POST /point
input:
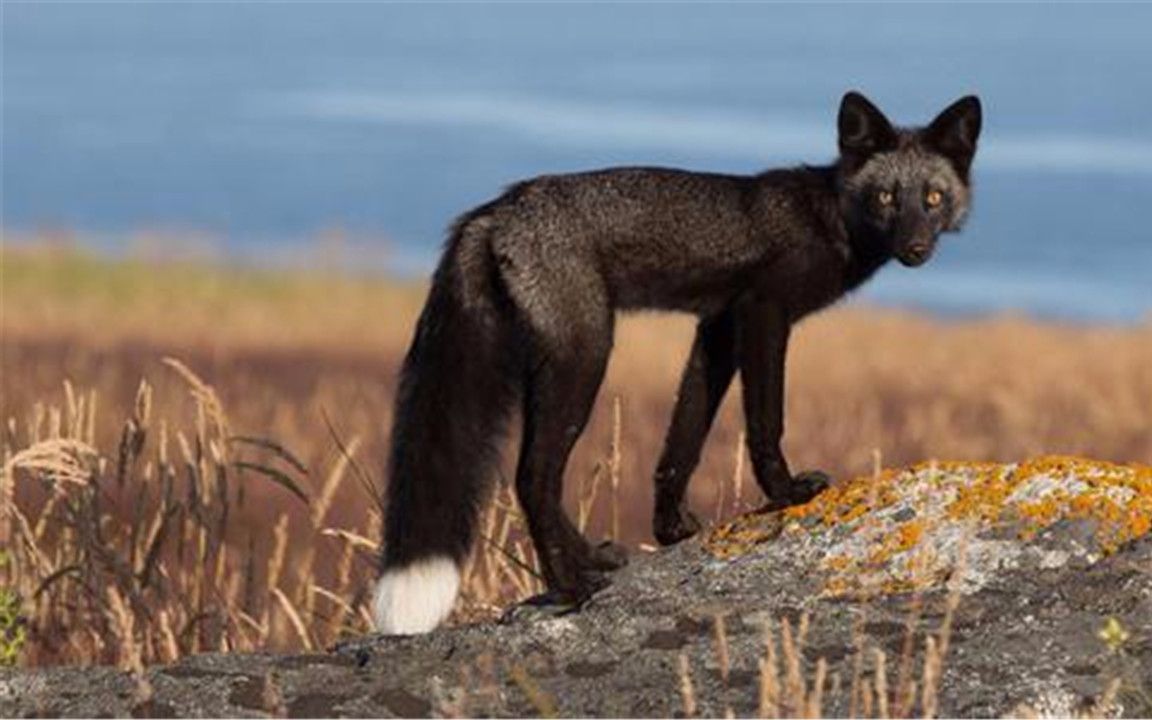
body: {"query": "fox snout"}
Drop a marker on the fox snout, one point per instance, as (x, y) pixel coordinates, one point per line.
(913, 243)
(913, 233)
(916, 253)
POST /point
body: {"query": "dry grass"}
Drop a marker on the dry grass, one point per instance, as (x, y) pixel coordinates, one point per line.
(166, 492)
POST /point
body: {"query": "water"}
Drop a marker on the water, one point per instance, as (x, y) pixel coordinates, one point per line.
(264, 125)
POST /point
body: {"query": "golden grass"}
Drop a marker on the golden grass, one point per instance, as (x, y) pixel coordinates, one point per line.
(167, 492)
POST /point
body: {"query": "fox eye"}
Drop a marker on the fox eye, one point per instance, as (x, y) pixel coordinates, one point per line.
(885, 197)
(933, 198)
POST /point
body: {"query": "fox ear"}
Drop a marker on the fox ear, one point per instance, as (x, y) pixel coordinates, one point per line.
(954, 132)
(863, 129)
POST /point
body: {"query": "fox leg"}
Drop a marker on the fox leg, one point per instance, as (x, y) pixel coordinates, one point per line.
(562, 383)
(707, 376)
(762, 342)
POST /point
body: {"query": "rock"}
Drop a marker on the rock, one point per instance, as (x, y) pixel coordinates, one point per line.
(1025, 563)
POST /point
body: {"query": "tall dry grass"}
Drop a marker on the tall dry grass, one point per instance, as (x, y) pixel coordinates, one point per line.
(165, 501)
(877, 686)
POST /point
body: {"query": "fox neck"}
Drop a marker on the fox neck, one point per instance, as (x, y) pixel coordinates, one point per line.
(869, 252)
(868, 249)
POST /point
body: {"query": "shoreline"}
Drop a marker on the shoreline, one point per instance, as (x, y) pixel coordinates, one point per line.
(338, 260)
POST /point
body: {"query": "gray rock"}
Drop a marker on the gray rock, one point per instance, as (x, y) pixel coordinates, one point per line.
(1024, 638)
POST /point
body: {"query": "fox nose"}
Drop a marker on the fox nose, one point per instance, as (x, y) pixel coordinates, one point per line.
(918, 251)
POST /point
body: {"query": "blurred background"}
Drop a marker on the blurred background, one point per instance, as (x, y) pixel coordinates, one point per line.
(218, 220)
(252, 129)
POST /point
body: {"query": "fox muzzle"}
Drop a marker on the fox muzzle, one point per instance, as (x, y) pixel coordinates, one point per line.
(915, 253)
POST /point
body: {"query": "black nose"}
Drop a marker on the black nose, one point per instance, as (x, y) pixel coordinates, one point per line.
(918, 251)
(915, 254)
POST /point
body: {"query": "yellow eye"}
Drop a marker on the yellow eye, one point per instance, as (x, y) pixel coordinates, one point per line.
(934, 198)
(885, 198)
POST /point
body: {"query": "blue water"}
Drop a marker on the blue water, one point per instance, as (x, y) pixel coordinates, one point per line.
(263, 125)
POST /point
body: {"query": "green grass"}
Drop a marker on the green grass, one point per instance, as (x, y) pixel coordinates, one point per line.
(73, 274)
(13, 633)
(72, 292)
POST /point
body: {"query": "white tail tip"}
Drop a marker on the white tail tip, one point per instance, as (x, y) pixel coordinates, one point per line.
(416, 598)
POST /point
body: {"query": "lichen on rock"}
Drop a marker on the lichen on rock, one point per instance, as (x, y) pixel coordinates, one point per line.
(903, 530)
(1053, 556)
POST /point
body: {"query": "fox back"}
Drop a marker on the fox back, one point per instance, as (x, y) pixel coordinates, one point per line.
(523, 306)
(672, 239)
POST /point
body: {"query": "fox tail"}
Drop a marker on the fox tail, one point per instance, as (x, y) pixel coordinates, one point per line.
(456, 388)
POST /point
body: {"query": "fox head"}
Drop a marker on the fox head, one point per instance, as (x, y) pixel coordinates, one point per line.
(906, 186)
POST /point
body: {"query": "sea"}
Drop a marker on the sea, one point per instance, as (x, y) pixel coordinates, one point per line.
(258, 128)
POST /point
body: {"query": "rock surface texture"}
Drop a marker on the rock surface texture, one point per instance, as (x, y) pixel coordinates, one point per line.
(960, 589)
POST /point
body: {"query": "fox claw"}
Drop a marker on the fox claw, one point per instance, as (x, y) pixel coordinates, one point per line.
(608, 556)
(671, 529)
(545, 605)
(555, 603)
(800, 490)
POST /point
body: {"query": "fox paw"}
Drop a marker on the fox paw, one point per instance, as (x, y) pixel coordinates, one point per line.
(555, 603)
(800, 490)
(608, 556)
(671, 528)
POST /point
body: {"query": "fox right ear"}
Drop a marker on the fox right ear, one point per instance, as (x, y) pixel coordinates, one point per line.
(863, 129)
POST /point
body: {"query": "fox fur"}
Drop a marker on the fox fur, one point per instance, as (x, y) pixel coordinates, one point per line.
(521, 313)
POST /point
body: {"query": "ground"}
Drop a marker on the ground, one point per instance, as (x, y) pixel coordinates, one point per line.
(976, 590)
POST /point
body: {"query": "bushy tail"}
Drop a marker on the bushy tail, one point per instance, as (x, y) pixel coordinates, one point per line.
(456, 387)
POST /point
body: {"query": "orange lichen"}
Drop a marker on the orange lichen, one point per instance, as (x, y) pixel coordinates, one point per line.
(908, 535)
(837, 562)
(742, 534)
(848, 501)
(1027, 497)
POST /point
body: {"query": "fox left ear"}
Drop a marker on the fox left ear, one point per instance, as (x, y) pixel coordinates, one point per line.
(954, 132)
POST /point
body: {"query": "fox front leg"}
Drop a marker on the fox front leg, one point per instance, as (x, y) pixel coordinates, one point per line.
(707, 375)
(762, 343)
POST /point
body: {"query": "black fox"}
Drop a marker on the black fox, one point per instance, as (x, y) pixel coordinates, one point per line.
(522, 309)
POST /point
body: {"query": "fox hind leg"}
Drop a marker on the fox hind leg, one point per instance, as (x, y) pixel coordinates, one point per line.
(561, 388)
